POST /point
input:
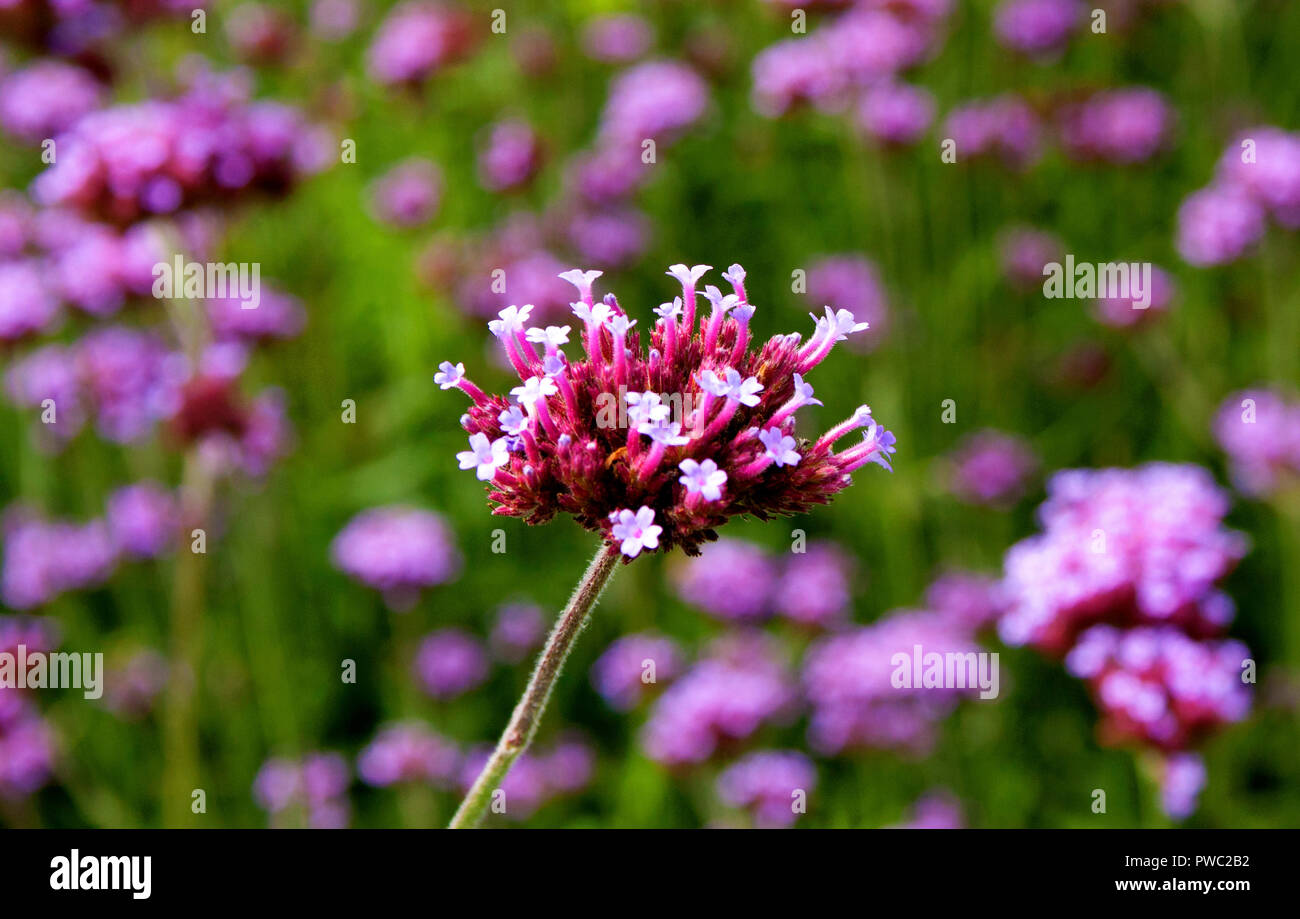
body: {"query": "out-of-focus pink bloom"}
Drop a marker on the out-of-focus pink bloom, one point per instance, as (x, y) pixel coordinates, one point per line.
(773, 785)
(450, 662)
(536, 778)
(1123, 546)
(617, 39)
(1182, 776)
(43, 559)
(731, 579)
(408, 195)
(896, 114)
(333, 20)
(399, 551)
(314, 787)
(1039, 28)
(144, 520)
(989, 467)
(1126, 311)
(1259, 430)
(1004, 127)
(626, 670)
(936, 810)
(46, 98)
(1024, 251)
(518, 630)
(27, 305)
(610, 238)
(409, 752)
(1118, 125)
(1159, 687)
(511, 158)
(1265, 162)
(815, 587)
(417, 39)
(260, 34)
(973, 601)
(276, 316)
(657, 100)
(1218, 224)
(131, 689)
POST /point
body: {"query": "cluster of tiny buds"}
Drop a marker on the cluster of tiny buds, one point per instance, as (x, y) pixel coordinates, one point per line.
(732, 443)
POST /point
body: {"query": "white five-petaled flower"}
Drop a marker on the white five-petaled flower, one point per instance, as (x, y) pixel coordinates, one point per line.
(484, 455)
(839, 324)
(635, 531)
(620, 324)
(780, 447)
(646, 407)
(664, 432)
(534, 388)
(449, 375)
(720, 300)
(513, 421)
(804, 391)
(581, 279)
(688, 276)
(734, 275)
(553, 363)
(711, 382)
(745, 391)
(512, 320)
(595, 315)
(670, 310)
(743, 312)
(552, 336)
(705, 478)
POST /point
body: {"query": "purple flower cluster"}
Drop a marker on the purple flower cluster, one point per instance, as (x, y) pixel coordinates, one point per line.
(868, 45)
(626, 670)
(128, 162)
(1259, 429)
(936, 810)
(1123, 312)
(409, 752)
(449, 663)
(46, 98)
(313, 788)
(719, 703)
(1124, 577)
(741, 583)
(773, 785)
(1125, 547)
(45, 558)
(559, 446)
(417, 39)
(617, 39)
(1022, 253)
(1038, 28)
(1158, 687)
(991, 468)
(847, 679)
(1258, 177)
(27, 743)
(1005, 128)
(407, 195)
(1121, 126)
(399, 551)
(895, 114)
(511, 156)
(517, 632)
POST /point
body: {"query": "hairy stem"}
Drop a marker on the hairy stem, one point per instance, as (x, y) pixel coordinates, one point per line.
(528, 713)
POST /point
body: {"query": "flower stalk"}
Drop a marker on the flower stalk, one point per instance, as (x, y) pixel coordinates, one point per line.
(527, 716)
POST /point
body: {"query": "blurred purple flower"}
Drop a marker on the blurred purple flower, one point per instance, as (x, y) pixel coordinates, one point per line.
(622, 671)
(771, 784)
(398, 551)
(450, 662)
(408, 195)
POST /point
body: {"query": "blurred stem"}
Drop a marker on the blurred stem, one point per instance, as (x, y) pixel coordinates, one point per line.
(528, 713)
(180, 731)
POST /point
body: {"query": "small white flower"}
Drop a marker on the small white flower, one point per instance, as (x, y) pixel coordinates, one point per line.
(688, 276)
(712, 383)
(513, 421)
(553, 363)
(735, 275)
(670, 310)
(743, 312)
(534, 388)
(781, 447)
(635, 531)
(663, 432)
(841, 324)
(552, 336)
(581, 279)
(620, 324)
(449, 375)
(804, 392)
(512, 320)
(487, 457)
(594, 315)
(705, 478)
(645, 407)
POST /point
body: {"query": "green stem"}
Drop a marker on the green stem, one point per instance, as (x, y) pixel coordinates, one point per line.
(180, 730)
(528, 713)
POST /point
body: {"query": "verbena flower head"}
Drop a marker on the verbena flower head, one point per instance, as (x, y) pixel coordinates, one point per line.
(617, 39)
(815, 588)
(989, 467)
(1123, 546)
(895, 114)
(1259, 429)
(767, 783)
(398, 551)
(144, 520)
(450, 662)
(1038, 28)
(1159, 687)
(416, 40)
(585, 453)
(1122, 313)
(633, 666)
(732, 580)
(407, 195)
(1126, 125)
(518, 630)
(1181, 777)
(46, 98)
(314, 786)
(409, 752)
(935, 810)
(537, 776)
